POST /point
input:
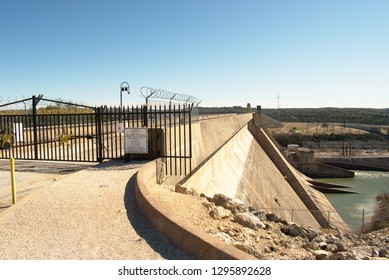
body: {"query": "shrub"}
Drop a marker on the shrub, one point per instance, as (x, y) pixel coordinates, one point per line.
(381, 214)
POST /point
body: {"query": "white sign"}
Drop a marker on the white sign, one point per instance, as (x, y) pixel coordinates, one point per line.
(136, 140)
(119, 127)
(18, 131)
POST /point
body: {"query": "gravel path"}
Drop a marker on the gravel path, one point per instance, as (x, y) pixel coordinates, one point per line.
(90, 214)
(32, 175)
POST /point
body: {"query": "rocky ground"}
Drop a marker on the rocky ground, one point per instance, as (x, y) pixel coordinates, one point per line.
(266, 236)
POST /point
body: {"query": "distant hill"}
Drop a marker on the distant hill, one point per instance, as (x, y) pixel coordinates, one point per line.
(330, 115)
(312, 115)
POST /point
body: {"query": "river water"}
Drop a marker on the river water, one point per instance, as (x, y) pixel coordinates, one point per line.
(350, 207)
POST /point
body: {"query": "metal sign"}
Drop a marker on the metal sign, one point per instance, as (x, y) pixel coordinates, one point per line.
(136, 140)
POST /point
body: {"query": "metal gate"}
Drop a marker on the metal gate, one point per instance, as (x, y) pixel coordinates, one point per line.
(93, 134)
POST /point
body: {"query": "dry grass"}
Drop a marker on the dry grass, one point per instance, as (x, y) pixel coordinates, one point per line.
(310, 128)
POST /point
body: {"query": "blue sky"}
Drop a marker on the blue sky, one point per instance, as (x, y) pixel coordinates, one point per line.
(226, 53)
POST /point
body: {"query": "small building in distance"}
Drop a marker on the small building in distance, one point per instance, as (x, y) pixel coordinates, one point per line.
(303, 159)
(305, 155)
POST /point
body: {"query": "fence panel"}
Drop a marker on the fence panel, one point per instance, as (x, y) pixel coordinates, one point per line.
(100, 135)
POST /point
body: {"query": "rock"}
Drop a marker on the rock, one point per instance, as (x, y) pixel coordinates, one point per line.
(284, 229)
(320, 254)
(383, 253)
(180, 189)
(311, 235)
(249, 220)
(310, 246)
(336, 256)
(323, 245)
(271, 248)
(267, 226)
(222, 228)
(340, 246)
(375, 253)
(224, 236)
(219, 213)
(332, 248)
(348, 255)
(260, 214)
(320, 238)
(234, 205)
(362, 252)
(296, 230)
(274, 218)
(250, 249)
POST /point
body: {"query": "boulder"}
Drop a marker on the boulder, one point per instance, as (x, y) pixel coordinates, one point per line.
(180, 189)
(274, 218)
(219, 213)
(296, 230)
(323, 245)
(234, 205)
(383, 253)
(340, 246)
(321, 254)
(332, 248)
(249, 220)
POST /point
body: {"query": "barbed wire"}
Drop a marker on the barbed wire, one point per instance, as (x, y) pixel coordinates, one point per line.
(152, 93)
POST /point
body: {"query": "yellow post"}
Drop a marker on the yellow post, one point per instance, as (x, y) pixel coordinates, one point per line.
(13, 185)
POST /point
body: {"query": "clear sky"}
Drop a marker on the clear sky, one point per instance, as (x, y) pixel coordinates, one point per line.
(312, 53)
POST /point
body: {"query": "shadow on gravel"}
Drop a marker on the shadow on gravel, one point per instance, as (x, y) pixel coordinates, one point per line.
(156, 240)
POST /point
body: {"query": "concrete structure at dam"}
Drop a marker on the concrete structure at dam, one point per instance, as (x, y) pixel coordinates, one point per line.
(235, 156)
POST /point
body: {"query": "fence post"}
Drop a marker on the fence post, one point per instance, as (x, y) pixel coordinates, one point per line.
(363, 220)
(145, 115)
(99, 144)
(13, 185)
(35, 124)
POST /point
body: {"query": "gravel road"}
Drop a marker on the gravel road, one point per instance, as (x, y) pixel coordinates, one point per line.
(83, 212)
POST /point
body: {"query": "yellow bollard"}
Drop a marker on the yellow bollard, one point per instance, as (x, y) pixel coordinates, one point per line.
(13, 185)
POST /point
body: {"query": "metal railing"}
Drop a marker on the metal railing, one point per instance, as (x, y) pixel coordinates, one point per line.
(98, 134)
(371, 217)
(366, 217)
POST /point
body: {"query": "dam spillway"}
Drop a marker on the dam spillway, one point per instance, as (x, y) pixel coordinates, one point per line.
(235, 156)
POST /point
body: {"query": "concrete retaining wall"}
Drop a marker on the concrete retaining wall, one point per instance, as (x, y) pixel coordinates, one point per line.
(179, 231)
(320, 170)
(377, 163)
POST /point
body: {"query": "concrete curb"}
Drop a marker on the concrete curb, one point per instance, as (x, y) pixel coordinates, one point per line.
(178, 230)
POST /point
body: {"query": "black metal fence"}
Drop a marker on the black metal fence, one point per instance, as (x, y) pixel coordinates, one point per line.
(97, 133)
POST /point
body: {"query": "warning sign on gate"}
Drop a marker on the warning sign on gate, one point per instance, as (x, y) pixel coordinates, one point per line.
(135, 140)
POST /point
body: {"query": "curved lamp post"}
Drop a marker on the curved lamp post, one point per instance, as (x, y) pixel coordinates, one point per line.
(124, 87)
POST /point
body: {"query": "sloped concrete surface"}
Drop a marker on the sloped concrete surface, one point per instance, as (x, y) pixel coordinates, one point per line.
(242, 169)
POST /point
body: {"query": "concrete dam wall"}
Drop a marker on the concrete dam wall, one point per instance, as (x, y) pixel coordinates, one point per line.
(234, 156)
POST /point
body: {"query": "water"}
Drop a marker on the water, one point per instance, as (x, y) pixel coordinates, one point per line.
(350, 207)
